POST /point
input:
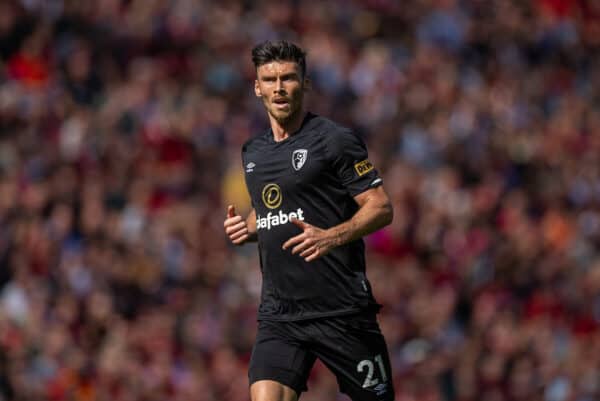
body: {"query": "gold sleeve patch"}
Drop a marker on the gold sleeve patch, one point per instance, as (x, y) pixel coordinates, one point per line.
(363, 167)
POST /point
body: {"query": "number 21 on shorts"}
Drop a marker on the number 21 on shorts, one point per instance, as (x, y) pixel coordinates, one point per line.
(370, 367)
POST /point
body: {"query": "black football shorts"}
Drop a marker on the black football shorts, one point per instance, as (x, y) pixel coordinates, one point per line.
(352, 347)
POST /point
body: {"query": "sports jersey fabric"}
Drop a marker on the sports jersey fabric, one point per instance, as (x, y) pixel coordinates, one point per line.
(313, 176)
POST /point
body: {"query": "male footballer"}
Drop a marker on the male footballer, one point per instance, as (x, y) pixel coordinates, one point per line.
(315, 194)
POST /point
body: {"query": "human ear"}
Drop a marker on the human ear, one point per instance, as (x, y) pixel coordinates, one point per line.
(307, 85)
(257, 91)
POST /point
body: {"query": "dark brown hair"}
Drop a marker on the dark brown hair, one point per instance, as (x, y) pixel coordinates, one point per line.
(281, 50)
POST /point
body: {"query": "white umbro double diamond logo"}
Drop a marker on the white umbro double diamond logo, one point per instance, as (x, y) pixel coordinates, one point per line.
(250, 167)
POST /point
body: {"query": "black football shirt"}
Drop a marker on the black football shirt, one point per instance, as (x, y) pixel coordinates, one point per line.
(312, 176)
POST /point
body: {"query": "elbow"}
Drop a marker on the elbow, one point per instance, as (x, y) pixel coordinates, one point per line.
(387, 214)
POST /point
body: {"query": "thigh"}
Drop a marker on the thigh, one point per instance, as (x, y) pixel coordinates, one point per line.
(278, 357)
(354, 349)
(269, 390)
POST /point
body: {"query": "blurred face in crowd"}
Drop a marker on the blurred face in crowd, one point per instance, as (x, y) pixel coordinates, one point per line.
(281, 86)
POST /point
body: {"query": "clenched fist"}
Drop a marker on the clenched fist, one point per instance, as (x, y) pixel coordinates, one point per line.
(236, 227)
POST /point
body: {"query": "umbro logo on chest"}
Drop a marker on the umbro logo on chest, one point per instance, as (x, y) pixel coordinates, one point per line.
(299, 157)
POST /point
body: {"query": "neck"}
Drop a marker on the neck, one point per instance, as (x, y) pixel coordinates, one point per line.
(284, 130)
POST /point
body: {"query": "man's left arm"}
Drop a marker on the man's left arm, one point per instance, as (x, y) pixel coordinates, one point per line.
(375, 211)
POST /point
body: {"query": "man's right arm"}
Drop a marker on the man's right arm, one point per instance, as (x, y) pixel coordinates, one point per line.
(239, 230)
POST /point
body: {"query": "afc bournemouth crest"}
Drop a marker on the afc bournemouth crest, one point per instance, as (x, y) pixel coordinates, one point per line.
(299, 158)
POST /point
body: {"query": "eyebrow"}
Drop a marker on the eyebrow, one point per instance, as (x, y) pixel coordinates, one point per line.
(283, 76)
(289, 75)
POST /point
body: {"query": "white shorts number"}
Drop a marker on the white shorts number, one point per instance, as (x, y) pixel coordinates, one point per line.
(369, 380)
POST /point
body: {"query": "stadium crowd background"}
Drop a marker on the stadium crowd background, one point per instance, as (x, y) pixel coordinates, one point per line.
(120, 131)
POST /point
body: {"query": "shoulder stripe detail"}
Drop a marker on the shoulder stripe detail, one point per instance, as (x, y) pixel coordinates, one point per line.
(376, 182)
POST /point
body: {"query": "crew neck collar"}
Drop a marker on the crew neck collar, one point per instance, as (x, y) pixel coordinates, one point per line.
(305, 122)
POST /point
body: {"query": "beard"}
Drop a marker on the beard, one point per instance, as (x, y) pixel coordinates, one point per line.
(283, 117)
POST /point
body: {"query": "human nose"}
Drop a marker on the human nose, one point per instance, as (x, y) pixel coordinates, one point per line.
(278, 86)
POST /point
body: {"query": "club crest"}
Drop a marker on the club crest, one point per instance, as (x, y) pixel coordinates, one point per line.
(299, 158)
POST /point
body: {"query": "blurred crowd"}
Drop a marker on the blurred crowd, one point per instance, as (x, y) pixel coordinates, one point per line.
(121, 123)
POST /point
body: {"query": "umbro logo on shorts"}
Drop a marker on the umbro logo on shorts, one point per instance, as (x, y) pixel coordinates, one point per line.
(381, 388)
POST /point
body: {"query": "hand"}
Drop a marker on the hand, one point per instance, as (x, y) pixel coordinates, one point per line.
(312, 243)
(235, 227)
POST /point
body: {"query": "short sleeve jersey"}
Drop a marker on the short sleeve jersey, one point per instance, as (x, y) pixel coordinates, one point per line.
(311, 176)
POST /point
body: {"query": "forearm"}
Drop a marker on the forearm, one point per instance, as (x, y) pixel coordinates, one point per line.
(374, 212)
(371, 216)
